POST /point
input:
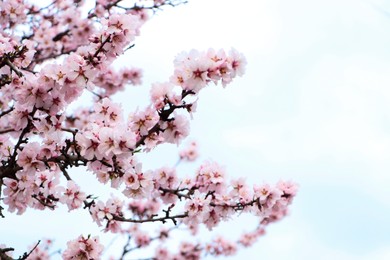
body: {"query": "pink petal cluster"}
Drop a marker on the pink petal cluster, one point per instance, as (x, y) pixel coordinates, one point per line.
(221, 246)
(190, 153)
(83, 248)
(73, 197)
(101, 211)
(194, 70)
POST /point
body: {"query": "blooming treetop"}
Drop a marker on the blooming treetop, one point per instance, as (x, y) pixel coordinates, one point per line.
(50, 56)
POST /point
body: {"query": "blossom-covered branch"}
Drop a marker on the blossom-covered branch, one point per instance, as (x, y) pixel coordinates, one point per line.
(52, 56)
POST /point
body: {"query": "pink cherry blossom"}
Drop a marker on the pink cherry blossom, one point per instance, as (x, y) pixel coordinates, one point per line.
(83, 248)
(190, 153)
(73, 197)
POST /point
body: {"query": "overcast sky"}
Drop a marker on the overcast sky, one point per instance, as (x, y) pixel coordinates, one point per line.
(313, 107)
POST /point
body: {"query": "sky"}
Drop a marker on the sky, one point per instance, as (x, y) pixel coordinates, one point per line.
(313, 107)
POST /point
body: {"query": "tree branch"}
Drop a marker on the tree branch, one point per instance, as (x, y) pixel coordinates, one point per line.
(162, 219)
(12, 67)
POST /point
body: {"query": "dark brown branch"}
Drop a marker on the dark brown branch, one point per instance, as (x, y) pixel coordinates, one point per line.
(108, 39)
(9, 172)
(43, 202)
(4, 256)
(109, 6)
(52, 56)
(5, 79)
(65, 172)
(6, 131)
(155, 7)
(26, 255)
(154, 129)
(178, 192)
(3, 253)
(162, 219)
(59, 36)
(12, 67)
(164, 116)
(5, 112)
(21, 139)
(72, 131)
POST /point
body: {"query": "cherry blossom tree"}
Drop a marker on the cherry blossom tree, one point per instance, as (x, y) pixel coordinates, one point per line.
(50, 56)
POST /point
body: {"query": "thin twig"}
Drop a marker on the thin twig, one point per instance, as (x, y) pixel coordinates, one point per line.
(6, 131)
(26, 255)
(5, 112)
(12, 67)
(162, 219)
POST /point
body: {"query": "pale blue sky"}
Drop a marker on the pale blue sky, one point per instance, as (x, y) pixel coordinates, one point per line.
(313, 107)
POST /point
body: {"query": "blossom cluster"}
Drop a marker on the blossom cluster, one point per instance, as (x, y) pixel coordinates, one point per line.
(190, 153)
(51, 57)
(83, 248)
(208, 199)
